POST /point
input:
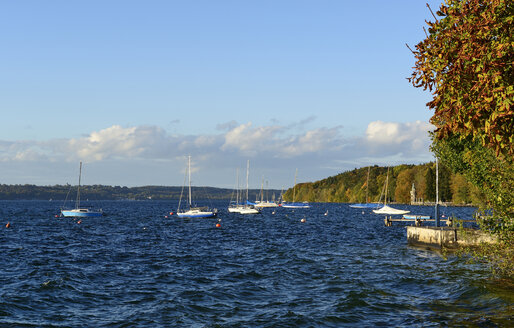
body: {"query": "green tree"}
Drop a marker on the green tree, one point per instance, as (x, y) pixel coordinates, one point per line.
(430, 184)
(460, 190)
(466, 61)
(403, 186)
(445, 192)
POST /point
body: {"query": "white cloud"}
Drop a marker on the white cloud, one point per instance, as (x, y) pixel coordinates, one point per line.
(251, 141)
(398, 137)
(318, 152)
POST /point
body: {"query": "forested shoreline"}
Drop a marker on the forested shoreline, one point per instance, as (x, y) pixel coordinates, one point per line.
(346, 187)
(350, 186)
(101, 192)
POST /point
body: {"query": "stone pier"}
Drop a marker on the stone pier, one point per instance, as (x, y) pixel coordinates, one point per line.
(438, 237)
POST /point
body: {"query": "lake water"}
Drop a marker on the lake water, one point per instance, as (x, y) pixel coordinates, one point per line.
(137, 268)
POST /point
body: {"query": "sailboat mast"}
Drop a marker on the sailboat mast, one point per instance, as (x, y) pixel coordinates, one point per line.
(78, 189)
(237, 186)
(262, 191)
(189, 178)
(294, 187)
(247, 173)
(367, 184)
(387, 186)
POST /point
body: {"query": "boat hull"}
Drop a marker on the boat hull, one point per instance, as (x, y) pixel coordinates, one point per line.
(196, 214)
(265, 204)
(389, 210)
(80, 213)
(367, 205)
(413, 217)
(250, 211)
(295, 205)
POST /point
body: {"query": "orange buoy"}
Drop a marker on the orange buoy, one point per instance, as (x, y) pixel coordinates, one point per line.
(171, 213)
(302, 220)
(8, 225)
(56, 215)
(79, 221)
(218, 225)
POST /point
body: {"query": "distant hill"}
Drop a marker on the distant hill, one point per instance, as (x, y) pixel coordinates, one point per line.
(101, 192)
(350, 186)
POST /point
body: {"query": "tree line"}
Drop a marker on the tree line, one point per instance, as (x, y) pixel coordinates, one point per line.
(352, 186)
(101, 192)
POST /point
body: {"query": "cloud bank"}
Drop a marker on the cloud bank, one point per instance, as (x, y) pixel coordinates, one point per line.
(272, 146)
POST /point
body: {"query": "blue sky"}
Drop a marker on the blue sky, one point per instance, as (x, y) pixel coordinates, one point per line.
(132, 87)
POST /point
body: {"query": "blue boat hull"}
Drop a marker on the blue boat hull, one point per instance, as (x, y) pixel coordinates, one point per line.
(196, 216)
(80, 214)
(367, 205)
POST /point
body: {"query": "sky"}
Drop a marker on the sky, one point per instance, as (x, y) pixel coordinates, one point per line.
(131, 88)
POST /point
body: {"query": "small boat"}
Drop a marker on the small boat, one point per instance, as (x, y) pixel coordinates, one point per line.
(296, 205)
(236, 207)
(264, 203)
(194, 212)
(248, 208)
(413, 217)
(293, 204)
(80, 211)
(365, 205)
(197, 213)
(387, 209)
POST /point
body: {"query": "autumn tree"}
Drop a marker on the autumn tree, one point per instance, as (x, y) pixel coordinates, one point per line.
(466, 61)
(403, 186)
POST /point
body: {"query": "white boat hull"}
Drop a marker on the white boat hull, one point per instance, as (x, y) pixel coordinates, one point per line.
(196, 214)
(389, 210)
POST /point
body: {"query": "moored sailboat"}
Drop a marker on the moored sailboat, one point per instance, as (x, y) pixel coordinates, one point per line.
(80, 211)
(247, 207)
(387, 209)
(194, 212)
(294, 204)
(366, 204)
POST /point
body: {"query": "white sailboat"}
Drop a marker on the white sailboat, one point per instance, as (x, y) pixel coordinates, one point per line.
(386, 209)
(236, 207)
(80, 211)
(248, 208)
(293, 204)
(265, 203)
(194, 212)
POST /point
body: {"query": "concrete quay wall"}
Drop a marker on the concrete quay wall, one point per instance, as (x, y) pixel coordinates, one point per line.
(439, 237)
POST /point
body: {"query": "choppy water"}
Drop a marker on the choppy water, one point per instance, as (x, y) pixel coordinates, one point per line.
(136, 268)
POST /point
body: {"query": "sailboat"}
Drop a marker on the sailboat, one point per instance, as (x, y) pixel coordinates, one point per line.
(194, 212)
(248, 208)
(293, 204)
(387, 209)
(80, 211)
(264, 203)
(365, 205)
(236, 207)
